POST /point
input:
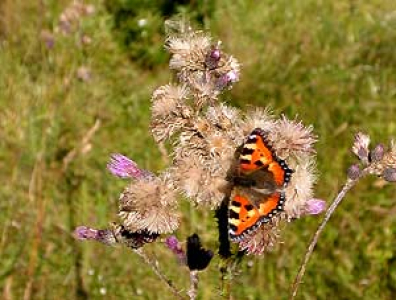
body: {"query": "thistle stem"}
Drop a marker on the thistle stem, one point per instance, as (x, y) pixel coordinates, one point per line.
(348, 185)
(154, 266)
(192, 293)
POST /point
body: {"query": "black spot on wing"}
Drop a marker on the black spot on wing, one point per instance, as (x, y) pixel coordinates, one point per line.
(235, 203)
(249, 207)
(247, 151)
(245, 161)
(233, 214)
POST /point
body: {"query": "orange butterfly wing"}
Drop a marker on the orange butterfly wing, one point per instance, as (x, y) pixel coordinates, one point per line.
(242, 215)
(244, 218)
(256, 154)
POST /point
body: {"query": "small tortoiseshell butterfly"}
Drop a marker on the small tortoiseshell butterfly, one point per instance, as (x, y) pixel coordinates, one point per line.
(259, 183)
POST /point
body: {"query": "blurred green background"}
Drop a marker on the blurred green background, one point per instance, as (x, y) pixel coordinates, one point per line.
(332, 63)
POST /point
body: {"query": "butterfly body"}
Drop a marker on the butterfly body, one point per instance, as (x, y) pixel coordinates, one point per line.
(258, 193)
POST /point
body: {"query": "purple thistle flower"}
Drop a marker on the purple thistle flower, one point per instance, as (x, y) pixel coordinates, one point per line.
(104, 236)
(213, 58)
(86, 233)
(123, 167)
(315, 206)
(215, 54)
(232, 77)
(226, 80)
(174, 245)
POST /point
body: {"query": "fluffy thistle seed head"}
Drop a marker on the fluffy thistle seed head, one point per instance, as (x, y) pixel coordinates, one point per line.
(291, 137)
(300, 187)
(257, 118)
(264, 239)
(188, 52)
(170, 112)
(228, 119)
(149, 204)
(169, 99)
(199, 63)
(198, 184)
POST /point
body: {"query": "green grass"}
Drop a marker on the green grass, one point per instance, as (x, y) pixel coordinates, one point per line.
(332, 63)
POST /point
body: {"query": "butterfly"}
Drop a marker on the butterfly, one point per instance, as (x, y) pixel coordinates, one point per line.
(258, 192)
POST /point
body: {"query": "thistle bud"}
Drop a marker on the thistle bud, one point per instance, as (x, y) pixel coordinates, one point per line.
(390, 174)
(104, 236)
(227, 80)
(174, 245)
(123, 167)
(353, 172)
(378, 153)
(360, 147)
(315, 206)
(213, 58)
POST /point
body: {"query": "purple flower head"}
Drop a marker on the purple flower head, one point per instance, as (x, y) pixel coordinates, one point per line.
(354, 172)
(123, 167)
(215, 54)
(315, 206)
(378, 153)
(232, 77)
(173, 244)
(226, 80)
(104, 236)
(213, 58)
(86, 233)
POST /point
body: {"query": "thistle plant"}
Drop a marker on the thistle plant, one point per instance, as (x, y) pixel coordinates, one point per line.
(205, 136)
(379, 161)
